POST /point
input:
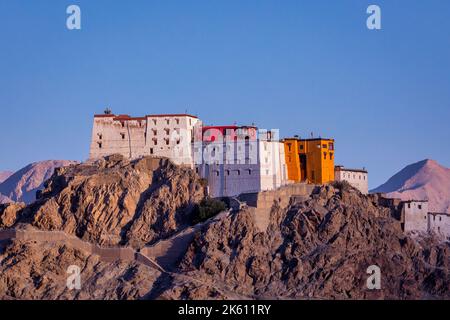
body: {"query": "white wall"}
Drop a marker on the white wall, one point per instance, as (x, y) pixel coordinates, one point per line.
(165, 136)
(415, 216)
(439, 223)
(358, 179)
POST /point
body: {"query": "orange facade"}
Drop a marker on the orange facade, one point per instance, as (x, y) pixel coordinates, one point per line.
(310, 160)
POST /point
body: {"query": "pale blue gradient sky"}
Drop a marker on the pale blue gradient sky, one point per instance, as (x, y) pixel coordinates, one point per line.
(300, 66)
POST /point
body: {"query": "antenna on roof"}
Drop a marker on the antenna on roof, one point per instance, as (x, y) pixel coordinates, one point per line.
(312, 134)
(107, 110)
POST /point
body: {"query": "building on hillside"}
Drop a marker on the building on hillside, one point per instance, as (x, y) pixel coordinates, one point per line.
(416, 218)
(439, 223)
(164, 135)
(358, 178)
(241, 159)
(310, 160)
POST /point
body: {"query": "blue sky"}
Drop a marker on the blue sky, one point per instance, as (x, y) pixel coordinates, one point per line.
(301, 66)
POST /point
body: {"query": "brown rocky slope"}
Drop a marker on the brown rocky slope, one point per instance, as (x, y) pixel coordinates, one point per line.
(114, 201)
(320, 249)
(317, 247)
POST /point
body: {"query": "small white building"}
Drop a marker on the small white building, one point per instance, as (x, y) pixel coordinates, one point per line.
(164, 135)
(415, 216)
(439, 223)
(358, 178)
(417, 219)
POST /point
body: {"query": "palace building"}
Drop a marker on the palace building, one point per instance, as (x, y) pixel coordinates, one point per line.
(309, 160)
(241, 159)
(164, 135)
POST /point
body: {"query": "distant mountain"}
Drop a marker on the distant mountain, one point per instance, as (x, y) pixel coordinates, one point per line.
(23, 184)
(424, 180)
(5, 175)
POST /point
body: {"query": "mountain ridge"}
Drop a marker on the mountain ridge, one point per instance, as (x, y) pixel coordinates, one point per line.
(423, 180)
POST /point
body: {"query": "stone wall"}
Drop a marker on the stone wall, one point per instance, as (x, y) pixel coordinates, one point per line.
(265, 199)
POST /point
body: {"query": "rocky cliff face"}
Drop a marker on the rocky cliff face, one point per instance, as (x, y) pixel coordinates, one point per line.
(316, 247)
(320, 249)
(424, 180)
(23, 184)
(39, 271)
(114, 201)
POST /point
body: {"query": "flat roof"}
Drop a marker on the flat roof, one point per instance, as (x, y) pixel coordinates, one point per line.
(310, 139)
(127, 117)
(342, 168)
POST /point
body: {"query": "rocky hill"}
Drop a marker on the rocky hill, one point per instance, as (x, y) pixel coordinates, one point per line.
(316, 247)
(114, 201)
(22, 185)
(424, 180)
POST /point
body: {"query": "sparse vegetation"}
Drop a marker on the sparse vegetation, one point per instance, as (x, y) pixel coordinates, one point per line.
(207, 209)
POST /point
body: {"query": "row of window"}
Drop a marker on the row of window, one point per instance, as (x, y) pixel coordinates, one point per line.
(349, 176)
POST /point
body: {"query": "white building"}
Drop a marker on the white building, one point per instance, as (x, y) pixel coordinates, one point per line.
(439, 224)
(164, 135)
(415, 216)
(241, 160)
(417, 219)
(358, 178)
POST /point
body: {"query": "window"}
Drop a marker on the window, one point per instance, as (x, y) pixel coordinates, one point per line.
(154, 121)
(178, 141)
(331, 156)
(324, 146)
(420, 207)
(440, 218)
(151, 150)
(324, 156)
(409, 205)
(155, 132)
(99, 145)
(167, 121)
(167, 141)
(123, 124)
(249, 171)
(123, 136)
(239, 172)
(100, 136)
(217, 173)
(301, 147)
(331, 146)
(155, 142)
(228, 172)
(167, 131)
(177, 121)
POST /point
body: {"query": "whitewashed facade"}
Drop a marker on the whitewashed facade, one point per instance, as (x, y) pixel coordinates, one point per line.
(358, 178)
(169, 135)
(233, 167)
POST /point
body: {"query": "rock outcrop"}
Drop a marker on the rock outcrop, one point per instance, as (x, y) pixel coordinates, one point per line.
(115, 201)
(317, 249)
(312, 247)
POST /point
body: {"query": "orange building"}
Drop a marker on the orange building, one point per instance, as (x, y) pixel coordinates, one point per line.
(310, 160)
